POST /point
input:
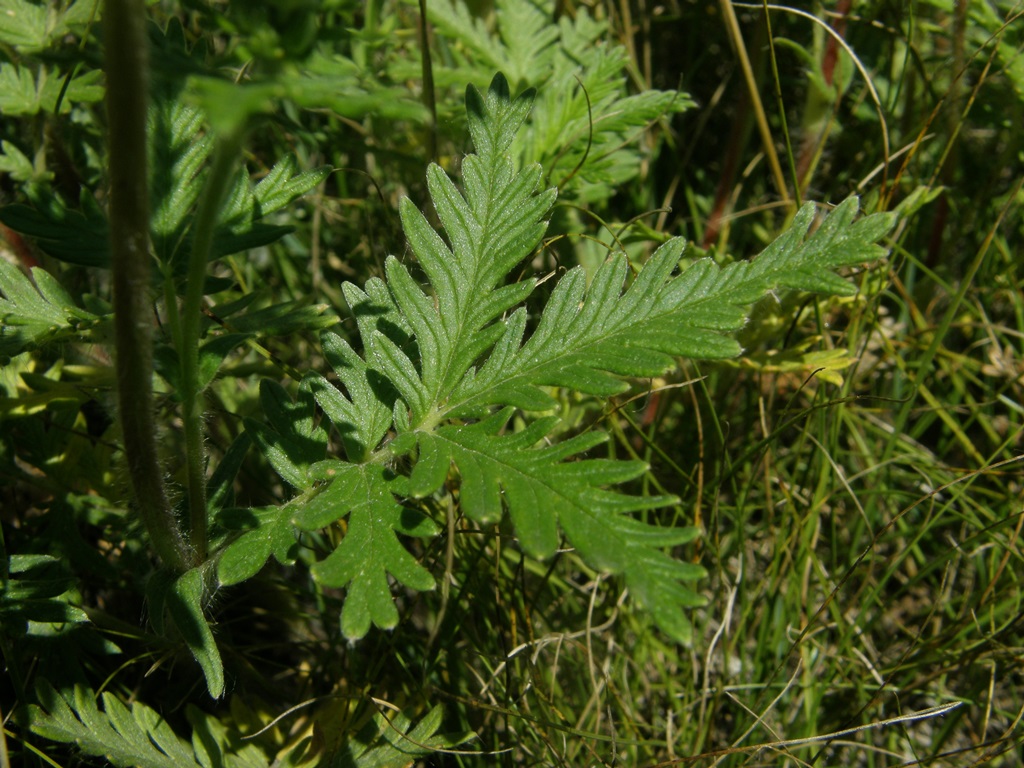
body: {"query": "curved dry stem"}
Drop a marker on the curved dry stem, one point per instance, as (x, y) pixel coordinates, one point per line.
(875, 98)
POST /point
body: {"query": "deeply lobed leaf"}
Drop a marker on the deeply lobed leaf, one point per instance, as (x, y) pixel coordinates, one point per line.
(491, 228)
(31, 315)
(438, 360)
(135, 736)
(370, 550)
(589, 337)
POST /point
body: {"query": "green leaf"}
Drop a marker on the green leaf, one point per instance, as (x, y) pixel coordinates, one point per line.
(77, 14)
(284, 319)
(362, 417)
(456, 21)
(292, 438)
(284, 184)
(394, 742)
(445, 365)
(230, 105)
(25, 93)
(180, 148)
(135, 736)
(325, 81)
(31, 27)
(18, 92)
(185, 603)
(20, 168)
(542, 489)
(584, 128)
(34, 315)
(178, 153)
(587, 337)
(73, 236)
(212, 354)
(328, 80)
(370, 550)
(375, 310)
(216, 746)
(491, 229)
(37, 596)
(124, 737)
(219, 491)
(22, 24)
(272, 534)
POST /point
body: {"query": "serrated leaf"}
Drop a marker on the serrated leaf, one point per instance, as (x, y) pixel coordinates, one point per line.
(534, 483)
(585, 334)
(22, 24)
(542, 490)
(584, 126)
(370, 550)
(79, 13)
(441, 356)
(284, 184)
(395, 743)
(178, 153)
(72, 236)
(32, 315)
(180, 147)
(19, 167)
(492, 227)
(292, 438)
(31, 27)
(76, 719)
(364, 415)
(456, 21)
(397, 368)
(18, 92)
(135, 736)
(25, 93)
(272, 534)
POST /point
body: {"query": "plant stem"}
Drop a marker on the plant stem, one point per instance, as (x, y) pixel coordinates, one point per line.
(429, 97)
(4, 761)
(127, 88)
(188, 342)
(733, 28)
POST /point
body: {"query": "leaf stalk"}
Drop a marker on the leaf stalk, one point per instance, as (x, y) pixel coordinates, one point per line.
(227, 149)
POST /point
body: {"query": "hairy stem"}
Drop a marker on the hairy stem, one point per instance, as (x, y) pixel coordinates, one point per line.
(126, 61)
(188, 340)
